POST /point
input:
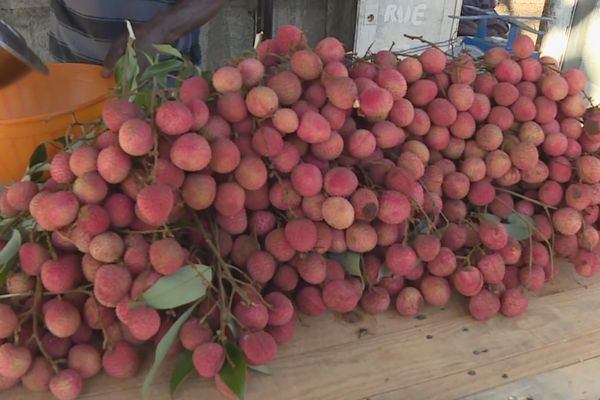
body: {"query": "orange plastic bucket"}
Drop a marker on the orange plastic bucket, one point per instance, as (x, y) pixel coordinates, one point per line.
(39, 108)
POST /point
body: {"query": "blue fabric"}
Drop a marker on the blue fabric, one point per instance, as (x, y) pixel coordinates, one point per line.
(496, 27)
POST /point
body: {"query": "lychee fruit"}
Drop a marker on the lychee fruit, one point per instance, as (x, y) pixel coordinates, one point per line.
(111, 284)
(262, 101)
(14, 361)
(194, 88)
(259, 347)
(361, 237)
(136, 138)
(340, 296)
(208, 359)
(154, 204)
(117, 111)
(66, 385)
(121, 361)
(166, 256)
(227, 79)
(191, 152)
(409, 302)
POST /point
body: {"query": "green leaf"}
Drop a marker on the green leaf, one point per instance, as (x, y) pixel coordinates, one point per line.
(234, 373)
(163, 81)
(6, 221)
(119, 66)
(183, 368)
(163, 348)
(384, 272)
(207, 75)
(490, 217)
(168, 50)
(6, 269)
(127, 79)
(61, 141)
(11, 248)
(234, 330)
(520, 226)
(248, 53)
(161, 68)
(423, 227)
(39, 155)
(187, 285)
(518, 218)
(263, 369)
(350, 261)
(132, 67)
(151, 60)
(8, 255)
(28, 224)
(144, 99)
(187, 72)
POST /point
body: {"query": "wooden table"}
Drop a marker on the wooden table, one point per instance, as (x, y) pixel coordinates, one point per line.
(550, 353)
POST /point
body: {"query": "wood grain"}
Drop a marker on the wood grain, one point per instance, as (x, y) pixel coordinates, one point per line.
(571, 382)
(387, 357)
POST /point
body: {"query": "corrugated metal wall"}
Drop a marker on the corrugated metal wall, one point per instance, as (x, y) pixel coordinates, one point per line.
(224, 37)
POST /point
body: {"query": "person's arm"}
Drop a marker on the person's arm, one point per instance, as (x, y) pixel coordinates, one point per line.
(183, 17)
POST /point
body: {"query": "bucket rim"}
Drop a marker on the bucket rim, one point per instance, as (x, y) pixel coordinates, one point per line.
(40, 118)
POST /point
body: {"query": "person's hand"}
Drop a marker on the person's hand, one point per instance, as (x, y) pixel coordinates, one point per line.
(182, 18)
(146, 35)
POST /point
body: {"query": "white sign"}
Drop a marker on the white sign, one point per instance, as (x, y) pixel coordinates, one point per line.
(381, 23)
(405, 14)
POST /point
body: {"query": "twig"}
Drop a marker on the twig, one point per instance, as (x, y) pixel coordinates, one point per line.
(155, 152)
(34, 335)
(435, 46)
(539, 203)
(15, 295)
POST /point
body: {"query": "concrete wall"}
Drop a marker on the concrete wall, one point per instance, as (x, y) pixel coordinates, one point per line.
(229, 33)
(31, 19)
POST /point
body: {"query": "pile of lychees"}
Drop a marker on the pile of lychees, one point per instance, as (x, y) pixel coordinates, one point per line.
(306, 182)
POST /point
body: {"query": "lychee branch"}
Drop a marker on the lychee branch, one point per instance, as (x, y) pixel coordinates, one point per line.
(34, 336)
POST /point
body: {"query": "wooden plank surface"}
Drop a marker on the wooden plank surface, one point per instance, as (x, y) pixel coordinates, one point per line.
(571, 382)
(447, 355)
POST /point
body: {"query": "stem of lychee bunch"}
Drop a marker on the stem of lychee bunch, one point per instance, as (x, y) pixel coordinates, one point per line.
(366, 178)
(406, 228)
(205, 317)
(15, 295)
(224, 310)
(34, 335)
(435, 46)
(154, 153)
(150, 232)
(470, 253)
(209, 285)
(590, 100)
(430, 224)
(445, 218)
(539, 203)
(50, 246)
(224, 305)
(530, 259)
(532, 228)
(550, 244)
(106, 343)
(78, 290)
(275, 173)
(221, 264)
